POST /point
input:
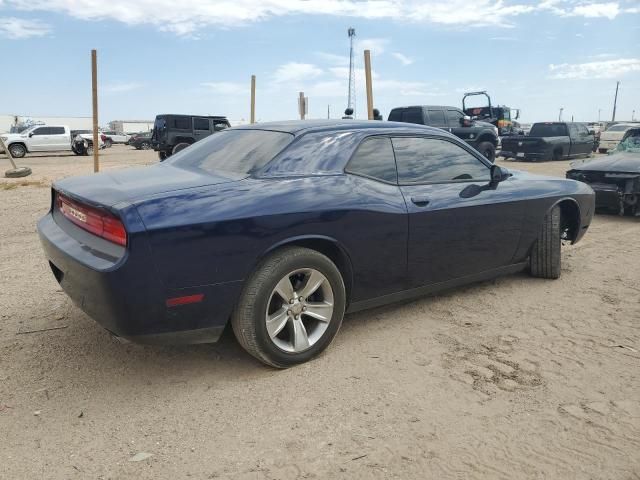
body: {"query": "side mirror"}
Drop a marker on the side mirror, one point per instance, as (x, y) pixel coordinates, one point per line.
(465, 121)
(498, 174)
(30, 134)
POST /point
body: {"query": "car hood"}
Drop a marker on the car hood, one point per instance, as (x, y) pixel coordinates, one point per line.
(627, 162)
(131, 185)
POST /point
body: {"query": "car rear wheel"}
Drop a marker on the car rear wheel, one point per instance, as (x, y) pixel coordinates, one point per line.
(545, 259)
(291, 308)
(17, 150)
(145, 146)
(179, 147)
(488, 151)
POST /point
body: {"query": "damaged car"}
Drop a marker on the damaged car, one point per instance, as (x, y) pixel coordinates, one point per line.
(616, 177)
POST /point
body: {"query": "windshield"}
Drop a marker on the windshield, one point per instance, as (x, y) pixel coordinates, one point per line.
(630, 144)
(233, 151)
(548, 130)
(618, 128)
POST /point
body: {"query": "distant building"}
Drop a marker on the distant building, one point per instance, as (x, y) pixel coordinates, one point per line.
(19, 122)
(131, 126)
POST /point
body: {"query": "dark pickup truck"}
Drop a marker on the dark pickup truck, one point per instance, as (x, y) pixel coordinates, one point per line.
(480, 135)
(549, 141)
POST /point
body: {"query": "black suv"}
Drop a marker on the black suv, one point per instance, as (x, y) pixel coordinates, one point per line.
(172, 133)
(480, 135)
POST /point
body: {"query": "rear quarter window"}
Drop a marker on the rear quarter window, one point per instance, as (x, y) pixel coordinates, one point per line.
(374, 159)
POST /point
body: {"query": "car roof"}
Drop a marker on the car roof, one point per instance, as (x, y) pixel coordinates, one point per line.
(427, 106)
(298, 127)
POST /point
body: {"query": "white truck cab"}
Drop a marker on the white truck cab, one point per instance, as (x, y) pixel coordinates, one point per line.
(43, 138)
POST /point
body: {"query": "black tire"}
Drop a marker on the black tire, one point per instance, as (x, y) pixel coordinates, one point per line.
(145, 146)
(488, 151)
(180, 146)
(18, 172)
(248, 319)
(557, 155)
(602, 150)
(163, 156)
(545, 259)
(17, 150)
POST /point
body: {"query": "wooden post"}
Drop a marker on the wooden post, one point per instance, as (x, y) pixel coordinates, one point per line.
(253, 99)
(3, 146)
(94, 91)
(367, 72)
(301, 105)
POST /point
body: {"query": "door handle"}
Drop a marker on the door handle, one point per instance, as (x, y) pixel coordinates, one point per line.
(420, 201)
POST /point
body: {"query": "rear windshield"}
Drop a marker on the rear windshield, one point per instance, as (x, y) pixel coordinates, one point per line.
(236, 152)
(618, 128)
(548, 130)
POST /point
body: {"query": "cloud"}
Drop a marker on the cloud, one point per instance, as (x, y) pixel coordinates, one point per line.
(598, 69)
(403, 59)
(120, 87)
(376, 45)
(188, 17)
(333, 59)
(296, 72)
(19, 28)
(227, 88)
(608, 10)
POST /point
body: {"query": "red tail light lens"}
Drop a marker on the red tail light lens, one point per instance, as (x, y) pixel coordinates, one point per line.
(92, 220)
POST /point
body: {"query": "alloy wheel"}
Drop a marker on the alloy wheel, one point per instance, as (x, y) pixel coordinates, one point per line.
(299, 310)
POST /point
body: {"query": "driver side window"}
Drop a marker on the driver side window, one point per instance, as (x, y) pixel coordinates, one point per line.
(433, 160)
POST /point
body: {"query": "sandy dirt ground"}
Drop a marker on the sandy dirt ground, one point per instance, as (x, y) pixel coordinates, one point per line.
(517, 378)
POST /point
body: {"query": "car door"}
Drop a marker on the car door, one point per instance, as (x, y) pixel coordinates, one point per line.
(379, 221)
(58, 139)
(201, 128)
(39, 139)
(460, 223)
(437, 118)
(454, 117)
(586, 139)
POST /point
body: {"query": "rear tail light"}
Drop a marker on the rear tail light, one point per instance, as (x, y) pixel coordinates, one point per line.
(92, 220)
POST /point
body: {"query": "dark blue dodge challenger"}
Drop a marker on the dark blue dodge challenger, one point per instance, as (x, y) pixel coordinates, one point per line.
(281, 228)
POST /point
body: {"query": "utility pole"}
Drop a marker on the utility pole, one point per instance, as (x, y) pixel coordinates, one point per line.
(94, 92)
(599, 110)
(351, 99)
(633, 115)
(560, 114)
(367, 76)
(328, 112)
(302, 105)
(253, 99)
(615, 102)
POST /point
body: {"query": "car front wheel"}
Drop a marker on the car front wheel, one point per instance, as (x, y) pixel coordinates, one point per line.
(17, 150)
(545, 259)
(488, 151)
(291, 308)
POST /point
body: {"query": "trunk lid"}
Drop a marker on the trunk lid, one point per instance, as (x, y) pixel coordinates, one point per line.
(128, 185)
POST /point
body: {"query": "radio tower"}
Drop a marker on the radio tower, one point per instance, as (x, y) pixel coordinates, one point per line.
(351, 102)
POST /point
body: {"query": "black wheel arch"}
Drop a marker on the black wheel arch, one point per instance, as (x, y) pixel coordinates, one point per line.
(24, 145)
(327, 246)
(487, 137)
(570, 217)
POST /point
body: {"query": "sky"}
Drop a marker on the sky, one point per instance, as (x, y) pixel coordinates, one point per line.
(197, 56)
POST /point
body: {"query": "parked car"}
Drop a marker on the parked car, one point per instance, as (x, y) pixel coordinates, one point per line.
(480, 135)
(610, 138)
(616, 177)
(549, 141)
(140, 141)
(47, 138)
(172, 133)
(119, 138)
(280, 228)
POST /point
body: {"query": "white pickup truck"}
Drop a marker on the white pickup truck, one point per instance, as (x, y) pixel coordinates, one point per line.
(49, 138)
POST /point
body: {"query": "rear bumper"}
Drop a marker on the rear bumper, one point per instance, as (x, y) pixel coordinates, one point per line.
(524, 155)
(126, 297)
